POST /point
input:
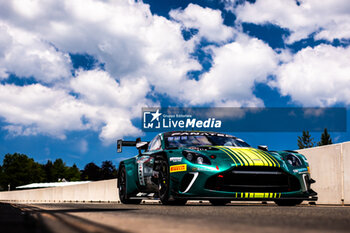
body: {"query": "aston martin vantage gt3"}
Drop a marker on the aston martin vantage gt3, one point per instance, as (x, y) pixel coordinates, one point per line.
(190, 165)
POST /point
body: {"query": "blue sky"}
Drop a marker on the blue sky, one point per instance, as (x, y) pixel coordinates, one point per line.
(74, 75)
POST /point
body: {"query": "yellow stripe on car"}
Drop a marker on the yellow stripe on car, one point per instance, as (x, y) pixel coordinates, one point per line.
(243, 155)
(263, 158)
(223, 149)
(245, 160)
(273, 158)
(249, 156)
(257, 161)
(267, 158)
(258, 195)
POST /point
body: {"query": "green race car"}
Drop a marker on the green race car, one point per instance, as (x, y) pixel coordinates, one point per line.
(190, 165)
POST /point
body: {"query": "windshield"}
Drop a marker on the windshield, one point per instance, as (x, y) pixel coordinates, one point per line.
(203, 140)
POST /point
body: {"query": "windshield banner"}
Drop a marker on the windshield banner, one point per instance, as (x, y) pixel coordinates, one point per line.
(226, 119)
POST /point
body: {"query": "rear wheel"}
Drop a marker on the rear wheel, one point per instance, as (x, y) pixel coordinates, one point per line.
(123, 196)
(291, 202)
(218, 202)
(164, 185)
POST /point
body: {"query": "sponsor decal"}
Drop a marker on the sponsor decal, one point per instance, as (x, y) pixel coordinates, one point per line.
(178, 168)
(300, 170)
(202, 169)
(175, 159)
(202, 134)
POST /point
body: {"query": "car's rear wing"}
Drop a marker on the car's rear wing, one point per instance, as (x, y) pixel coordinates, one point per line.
(138, 144)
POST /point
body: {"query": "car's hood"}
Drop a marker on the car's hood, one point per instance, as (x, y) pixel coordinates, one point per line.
(244, 156)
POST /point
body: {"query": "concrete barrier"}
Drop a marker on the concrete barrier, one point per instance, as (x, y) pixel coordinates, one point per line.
(105, 191)
(326, 168)
(346, 171)
(329, 165)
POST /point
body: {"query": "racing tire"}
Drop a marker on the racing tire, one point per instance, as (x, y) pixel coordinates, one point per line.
(123, 196)
(164, 185)
(219, 202)
(292, 202)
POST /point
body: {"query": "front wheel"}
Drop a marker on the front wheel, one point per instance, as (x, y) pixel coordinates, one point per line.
(164, 185)
(291, 202)
(123, 196)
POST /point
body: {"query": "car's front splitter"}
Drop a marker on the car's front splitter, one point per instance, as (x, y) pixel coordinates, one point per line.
(248, 196)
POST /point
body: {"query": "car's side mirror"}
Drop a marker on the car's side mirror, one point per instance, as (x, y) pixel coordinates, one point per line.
(263, 147)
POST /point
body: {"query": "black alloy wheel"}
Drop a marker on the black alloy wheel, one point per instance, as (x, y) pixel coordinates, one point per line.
(123, 196)
(163, 185)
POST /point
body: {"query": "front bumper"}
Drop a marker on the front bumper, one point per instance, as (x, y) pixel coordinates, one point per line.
(265, 185)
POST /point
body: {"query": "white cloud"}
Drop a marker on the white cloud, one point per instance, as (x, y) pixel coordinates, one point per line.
(142, 54)
(123, 35)
(236, 68)
(329, 19)
(26, 55)
(97, 87)
(36, 109)
(208, 21)
(111, 105)
(138, 49)
(317, 76)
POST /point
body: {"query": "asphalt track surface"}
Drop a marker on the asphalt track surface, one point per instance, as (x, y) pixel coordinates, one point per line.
(108, 217)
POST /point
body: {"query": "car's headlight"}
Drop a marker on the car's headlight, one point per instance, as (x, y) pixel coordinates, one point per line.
(293, 160)
(197, 158)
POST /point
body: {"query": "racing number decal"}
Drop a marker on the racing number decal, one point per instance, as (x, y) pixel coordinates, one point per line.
(178, 168)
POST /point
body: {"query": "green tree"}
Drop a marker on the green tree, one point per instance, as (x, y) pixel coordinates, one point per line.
(305, 141)
(59, 169)
(91, 172)
(1, 178)
(72, 173)
(18, 170)
(49, 172)
(108, 170)
(325, 138)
